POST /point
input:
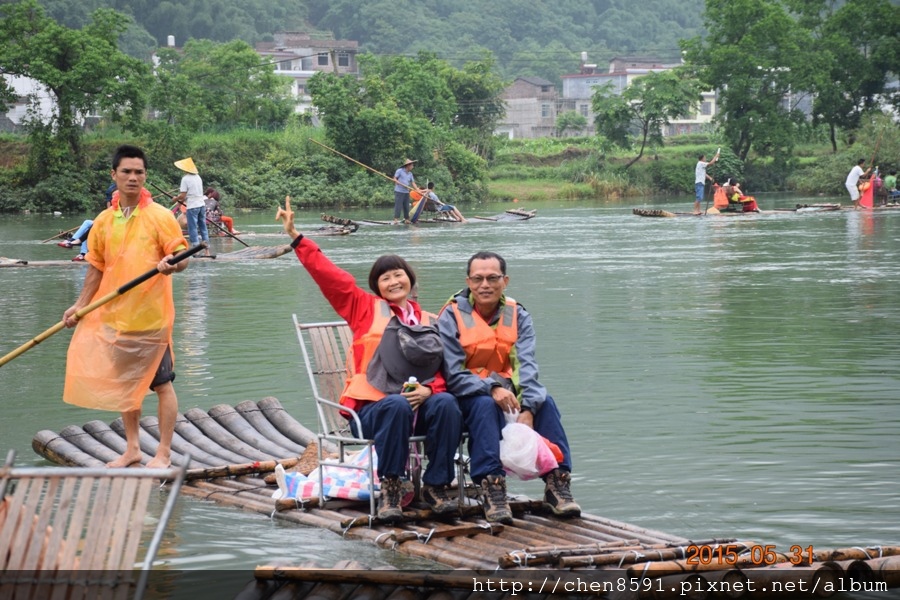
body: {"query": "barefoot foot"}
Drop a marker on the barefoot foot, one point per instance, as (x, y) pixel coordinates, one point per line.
(159, 462)
(124, 461)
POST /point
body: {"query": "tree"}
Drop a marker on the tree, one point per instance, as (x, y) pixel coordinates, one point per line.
(83, 70)
(226, 84)
(570, 121)
(859, 44)
(649, 103)
(755, 55)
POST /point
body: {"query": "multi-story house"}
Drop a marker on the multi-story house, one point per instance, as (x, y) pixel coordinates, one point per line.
(300, 56)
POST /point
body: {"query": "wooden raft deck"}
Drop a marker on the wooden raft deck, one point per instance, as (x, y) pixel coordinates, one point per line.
(233, 447)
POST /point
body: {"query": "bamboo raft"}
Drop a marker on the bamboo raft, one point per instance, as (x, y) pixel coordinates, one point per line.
(233, 448)
(714, 212)
(511, 215)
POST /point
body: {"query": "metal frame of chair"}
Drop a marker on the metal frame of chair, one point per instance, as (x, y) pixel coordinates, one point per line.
(75, 520)
(325, 347)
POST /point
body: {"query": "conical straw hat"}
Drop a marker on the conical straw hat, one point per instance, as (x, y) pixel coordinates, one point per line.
(186, 164)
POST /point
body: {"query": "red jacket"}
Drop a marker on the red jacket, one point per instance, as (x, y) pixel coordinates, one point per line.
(352, 303)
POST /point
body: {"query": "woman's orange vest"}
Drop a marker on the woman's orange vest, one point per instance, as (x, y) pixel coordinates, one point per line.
(357, 389)
(487, 348)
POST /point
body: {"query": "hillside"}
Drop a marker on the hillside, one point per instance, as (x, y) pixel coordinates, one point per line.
(527, 38)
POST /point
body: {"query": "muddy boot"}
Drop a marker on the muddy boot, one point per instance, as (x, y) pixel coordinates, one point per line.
(493, 500)
(558, 496)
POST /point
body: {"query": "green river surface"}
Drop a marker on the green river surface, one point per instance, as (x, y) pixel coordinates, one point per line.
(719, 377)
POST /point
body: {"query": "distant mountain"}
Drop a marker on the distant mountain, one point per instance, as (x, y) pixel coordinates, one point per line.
(543, 39)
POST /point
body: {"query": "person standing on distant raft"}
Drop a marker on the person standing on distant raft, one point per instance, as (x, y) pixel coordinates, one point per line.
(405, 181)
(192, 195)
(700, 178)
(124, 348)
(852, 183)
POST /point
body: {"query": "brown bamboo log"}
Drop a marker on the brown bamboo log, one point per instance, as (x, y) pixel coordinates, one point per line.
(855, 553)
(550, 555)
(640, 532)
(786, 580)
(213, 430)
(289, 426)
(240, 428)
(48, 444)
(190, 432)
(886, 569)
(857, 570)
(670, 587)
(550, 530)
(254, 415)
(671, 567)
(238, 470)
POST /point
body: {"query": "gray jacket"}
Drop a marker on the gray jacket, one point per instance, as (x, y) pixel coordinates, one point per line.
(461, 382)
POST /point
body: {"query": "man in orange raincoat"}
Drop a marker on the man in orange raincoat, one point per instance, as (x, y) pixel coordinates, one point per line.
(124, 348)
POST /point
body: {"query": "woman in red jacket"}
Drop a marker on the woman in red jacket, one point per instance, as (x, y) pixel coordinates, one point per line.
(387, 416)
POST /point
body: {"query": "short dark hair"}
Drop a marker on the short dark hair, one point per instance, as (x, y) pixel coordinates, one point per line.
(430, 185)
(389, 262)
(701, 157)
(860, 161)
(211, 193)
(486, 255)
(127, 151)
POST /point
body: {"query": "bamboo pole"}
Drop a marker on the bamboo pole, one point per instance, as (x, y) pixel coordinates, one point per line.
(98, 303)
(241, 469)
(60, 234)
(208, 220)
(353, 160)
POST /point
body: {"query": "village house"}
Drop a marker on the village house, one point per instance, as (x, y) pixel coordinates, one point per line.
(300, 56)
(533, 104)
(531, 109)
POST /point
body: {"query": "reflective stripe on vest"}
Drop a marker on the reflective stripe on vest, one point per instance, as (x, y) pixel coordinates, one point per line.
(488, 348)
(357, 386)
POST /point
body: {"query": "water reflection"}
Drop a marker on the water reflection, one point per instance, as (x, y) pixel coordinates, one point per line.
(729, 378)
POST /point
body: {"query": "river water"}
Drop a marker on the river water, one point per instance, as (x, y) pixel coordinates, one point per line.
(718, 377)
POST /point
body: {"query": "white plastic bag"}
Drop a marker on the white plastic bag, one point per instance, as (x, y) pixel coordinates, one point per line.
(523, 451)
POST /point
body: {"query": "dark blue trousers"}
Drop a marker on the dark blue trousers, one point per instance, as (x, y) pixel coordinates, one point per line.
(484, 420)
(390, 423)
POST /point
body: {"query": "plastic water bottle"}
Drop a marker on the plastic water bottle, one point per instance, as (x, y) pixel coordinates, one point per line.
(410, 385)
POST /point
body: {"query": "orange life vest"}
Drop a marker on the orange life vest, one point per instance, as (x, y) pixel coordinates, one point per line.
(357, 388)
(488, 348)
(720, 199)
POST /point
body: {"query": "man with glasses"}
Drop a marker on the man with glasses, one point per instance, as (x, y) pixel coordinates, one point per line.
(489, 345)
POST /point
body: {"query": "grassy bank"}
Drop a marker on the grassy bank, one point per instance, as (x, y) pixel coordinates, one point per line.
(250, 168)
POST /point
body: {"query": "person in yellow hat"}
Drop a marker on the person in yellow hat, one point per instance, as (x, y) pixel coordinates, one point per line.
(193, 198)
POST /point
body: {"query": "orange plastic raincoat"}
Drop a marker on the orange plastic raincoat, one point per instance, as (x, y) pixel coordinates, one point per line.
(117, 348)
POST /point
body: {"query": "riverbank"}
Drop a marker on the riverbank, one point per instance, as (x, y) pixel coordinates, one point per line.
(252, 168)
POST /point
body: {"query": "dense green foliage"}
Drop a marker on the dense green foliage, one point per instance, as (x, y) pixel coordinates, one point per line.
(648, 104)
(528, 38)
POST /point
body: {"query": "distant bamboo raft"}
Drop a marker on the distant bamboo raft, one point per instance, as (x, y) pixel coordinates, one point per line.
(255, 252)
(234, 448)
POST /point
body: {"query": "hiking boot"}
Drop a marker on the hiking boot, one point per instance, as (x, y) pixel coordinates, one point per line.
(493, 500)
(389, 504)
(436, 497)
(558, 496)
